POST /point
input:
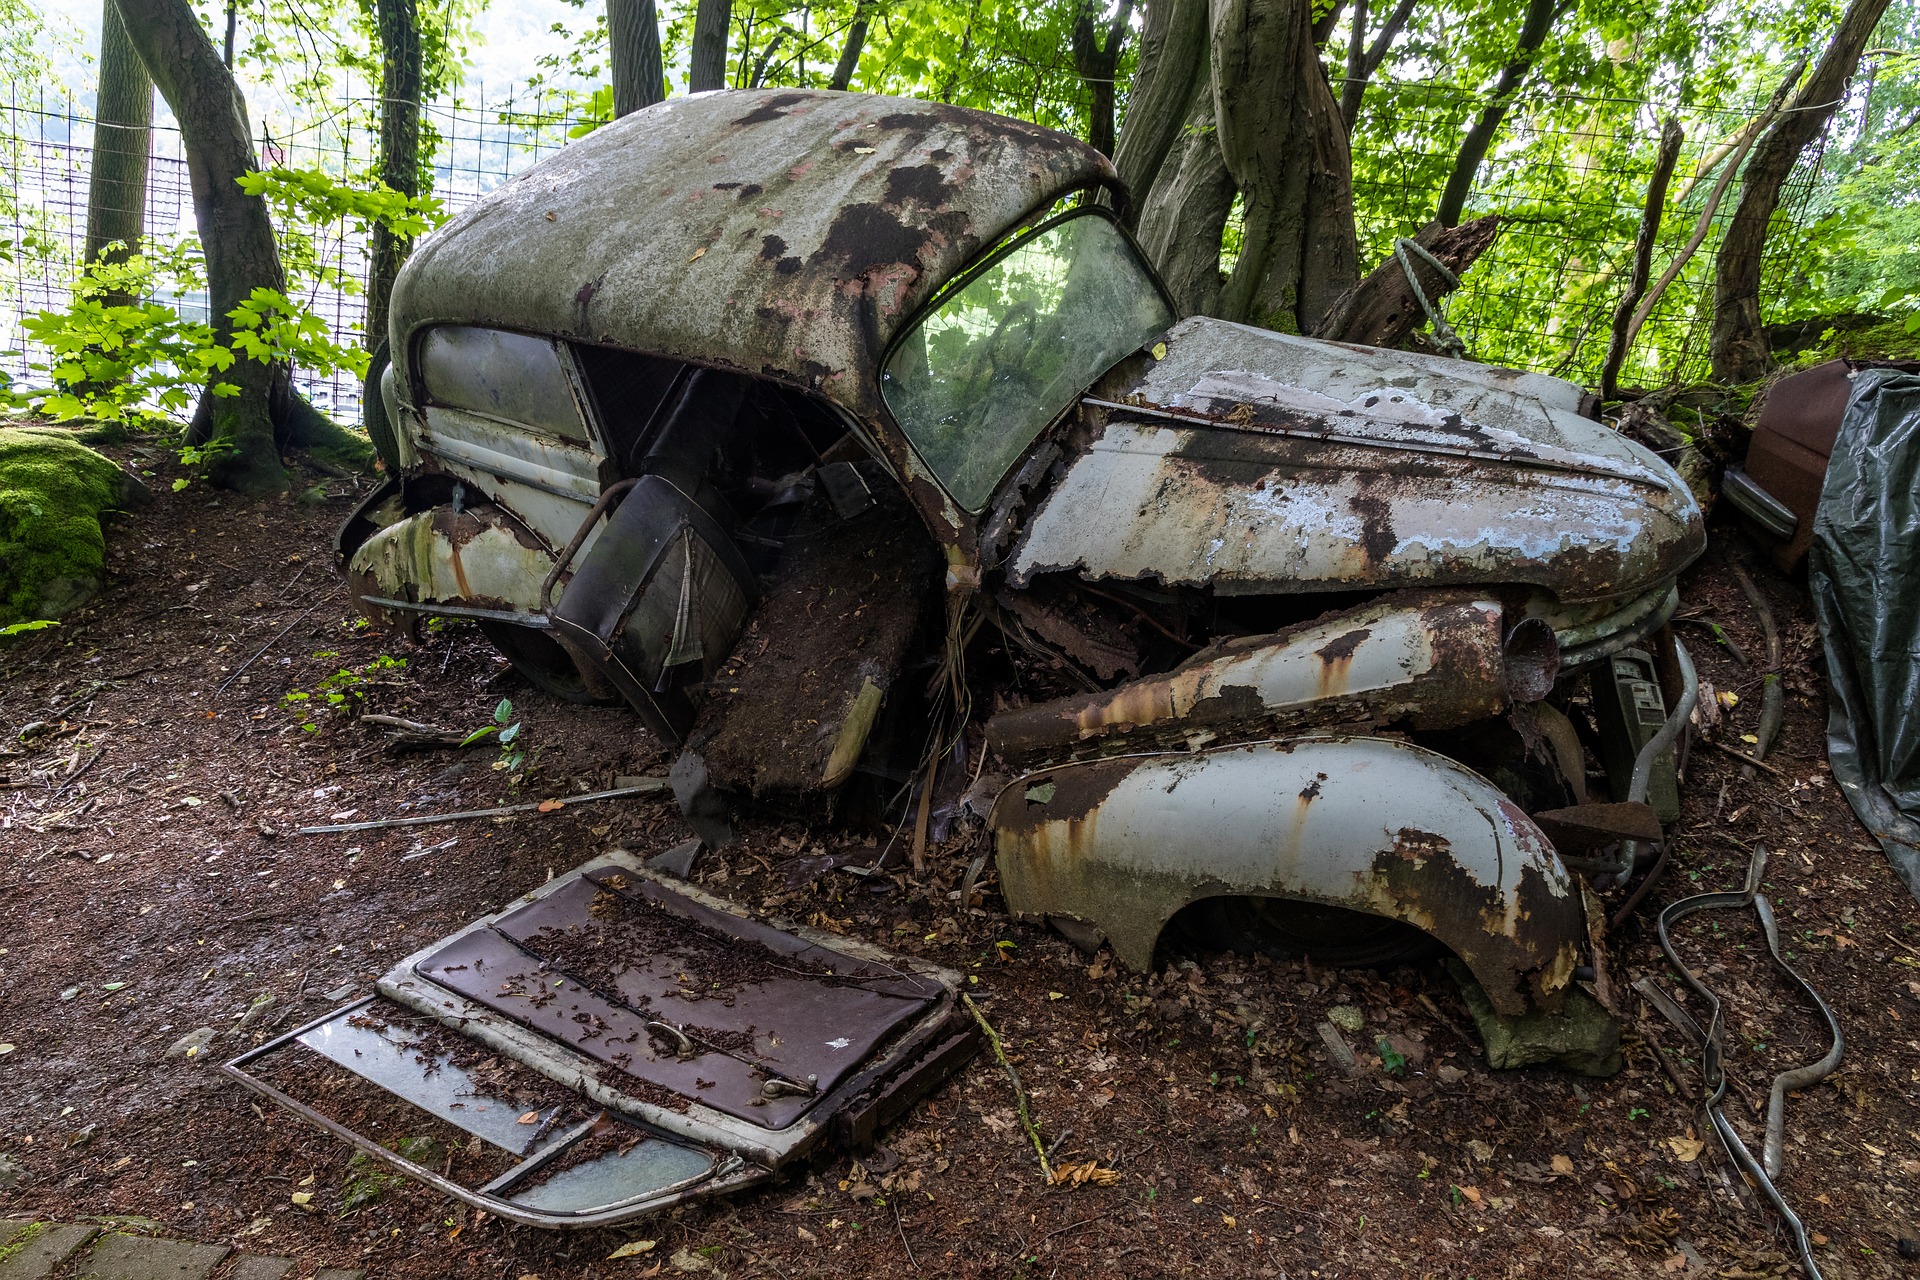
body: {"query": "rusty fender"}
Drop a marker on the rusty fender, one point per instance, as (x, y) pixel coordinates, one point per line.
(479, 557)
(1370, 824)
(1435, 662)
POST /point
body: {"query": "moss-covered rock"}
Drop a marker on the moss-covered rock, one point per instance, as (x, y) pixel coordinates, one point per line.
(1579, 1036)
(54, 493)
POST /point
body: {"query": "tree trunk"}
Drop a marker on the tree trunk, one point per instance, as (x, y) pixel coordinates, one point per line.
(1173, 59)
(1183, 217)
(1381, 310)
(398, 25)
(850, 53)
(1288, 153)
(633, 41)
(707, 62)
(1365, 59)
(1739, 345)
(1097, 65)
(123, 121)
(1670, 139)
(236, 237)
(1473, 148)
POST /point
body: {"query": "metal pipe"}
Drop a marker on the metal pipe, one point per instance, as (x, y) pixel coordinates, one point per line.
(1642, 779)
(580, 535)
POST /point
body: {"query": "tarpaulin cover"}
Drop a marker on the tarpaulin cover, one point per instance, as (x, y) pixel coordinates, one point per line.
(1866, 597)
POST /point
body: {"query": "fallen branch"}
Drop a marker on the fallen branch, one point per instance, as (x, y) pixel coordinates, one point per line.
(268, 645)
(648, 786)
(1705, 222)
(1744, 758)
(1019, 1094)
(412, 735)
(1383, 309)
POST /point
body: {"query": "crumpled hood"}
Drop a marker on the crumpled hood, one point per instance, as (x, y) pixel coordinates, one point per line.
(1257, 462)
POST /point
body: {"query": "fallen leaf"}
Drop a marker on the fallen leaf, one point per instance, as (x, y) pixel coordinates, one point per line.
(303, 1198)
(1678, 1262)
(698, 254)
(532, 1117)
(1159, 351)
(552, 806)
(6, 1049)
(631, 1249)
(1075, 1175)
(1563, 1164)
(1686, 1150)
(1056, 995)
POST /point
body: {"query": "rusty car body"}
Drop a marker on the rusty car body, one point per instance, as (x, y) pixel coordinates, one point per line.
(803, 421)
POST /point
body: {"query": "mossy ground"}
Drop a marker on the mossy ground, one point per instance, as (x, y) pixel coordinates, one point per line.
(54, 492)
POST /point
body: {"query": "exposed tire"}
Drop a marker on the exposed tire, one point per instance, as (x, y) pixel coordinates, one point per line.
(373, 411)
(539, 657)
(1331, 936)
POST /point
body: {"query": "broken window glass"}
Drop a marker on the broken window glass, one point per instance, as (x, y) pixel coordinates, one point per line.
(1001, 357)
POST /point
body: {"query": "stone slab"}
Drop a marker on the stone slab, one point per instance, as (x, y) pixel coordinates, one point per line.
(124, 1257)
(332, 1274)
(254, 1266)
(11, 1227)
(35, 1256)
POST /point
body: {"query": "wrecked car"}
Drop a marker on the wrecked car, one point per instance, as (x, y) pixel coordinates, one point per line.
(854, 444)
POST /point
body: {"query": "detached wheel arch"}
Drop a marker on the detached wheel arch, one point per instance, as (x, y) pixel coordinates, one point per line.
(1374, 826)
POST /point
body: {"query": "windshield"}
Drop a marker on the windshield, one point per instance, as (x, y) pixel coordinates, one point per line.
(988, 369)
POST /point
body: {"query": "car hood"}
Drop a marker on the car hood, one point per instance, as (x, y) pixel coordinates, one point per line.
(1255, 462)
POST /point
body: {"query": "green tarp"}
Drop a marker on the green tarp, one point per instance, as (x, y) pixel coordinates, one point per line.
(1864, 573)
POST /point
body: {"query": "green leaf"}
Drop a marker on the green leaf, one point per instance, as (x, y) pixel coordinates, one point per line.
(503, 712)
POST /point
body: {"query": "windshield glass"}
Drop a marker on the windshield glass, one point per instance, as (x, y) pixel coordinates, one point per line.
(984, 372)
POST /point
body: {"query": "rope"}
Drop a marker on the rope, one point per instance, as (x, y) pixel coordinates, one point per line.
(1443, 335)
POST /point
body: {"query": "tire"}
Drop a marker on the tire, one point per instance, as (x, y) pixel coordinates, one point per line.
(373, 411)
(539, 657)
(1330, 936)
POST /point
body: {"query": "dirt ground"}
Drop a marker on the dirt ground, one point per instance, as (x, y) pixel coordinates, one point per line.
(152, 887)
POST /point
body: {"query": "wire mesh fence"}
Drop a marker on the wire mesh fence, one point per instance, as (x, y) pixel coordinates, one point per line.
(1570, 199)
(46, 144)
(1541, 298)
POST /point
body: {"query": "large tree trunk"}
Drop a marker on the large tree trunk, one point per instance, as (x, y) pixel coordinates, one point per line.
(123, 126)
(1284, 142)
(850, 52)
(633, 40)
(1739, 345)
(236, 237)
(1182, 219)
(399, 163)
(1382, 311)
(1173, 59)
(707, 61)
(1534, 27)
(1097, 65)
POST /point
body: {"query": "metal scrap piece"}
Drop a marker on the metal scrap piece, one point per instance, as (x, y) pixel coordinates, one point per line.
(1713, 1073)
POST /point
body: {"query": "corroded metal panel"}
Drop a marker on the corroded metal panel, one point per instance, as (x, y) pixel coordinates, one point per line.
(476, 557)
(1371, 824)
(1435, 662)
(783, 233)
(1212, 468)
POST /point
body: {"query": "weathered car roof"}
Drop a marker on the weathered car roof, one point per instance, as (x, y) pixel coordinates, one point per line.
(780, 232)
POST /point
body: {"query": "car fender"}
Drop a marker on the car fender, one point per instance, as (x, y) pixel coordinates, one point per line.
(1372, 824)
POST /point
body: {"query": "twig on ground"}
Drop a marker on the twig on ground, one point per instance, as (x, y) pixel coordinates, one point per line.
(268, 645)
(1072, 1226)
(1019, 1093)
(901, 1227)
(1744, 758)
(75, 775)
(648, 786)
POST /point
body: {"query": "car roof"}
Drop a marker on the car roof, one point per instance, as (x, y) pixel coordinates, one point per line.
(784, 233)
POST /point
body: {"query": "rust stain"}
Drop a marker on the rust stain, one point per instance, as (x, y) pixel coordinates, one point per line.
(1336, 661)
